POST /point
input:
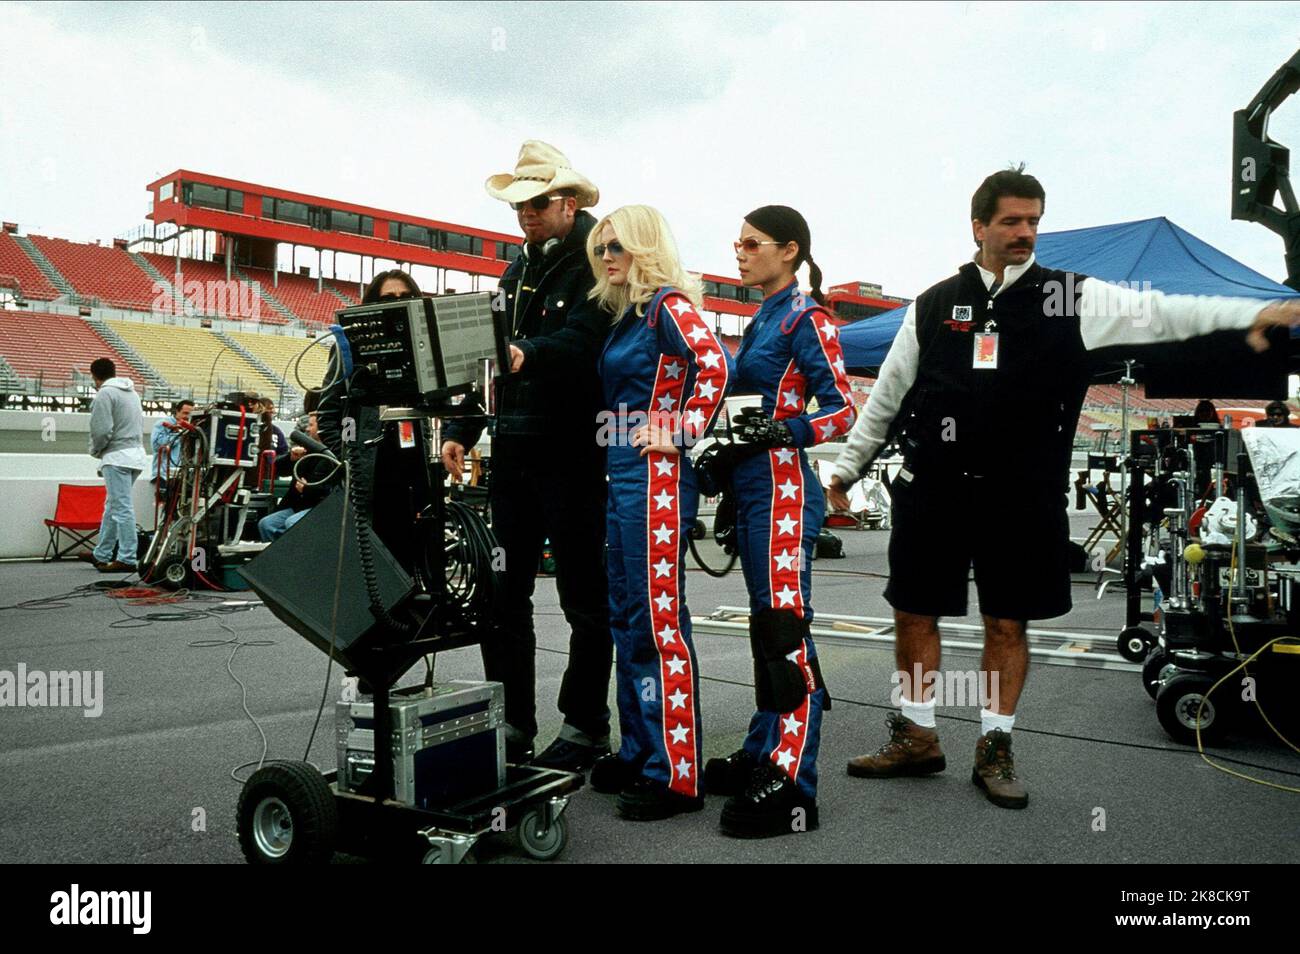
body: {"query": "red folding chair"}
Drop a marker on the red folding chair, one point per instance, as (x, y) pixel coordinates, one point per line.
(77, 514)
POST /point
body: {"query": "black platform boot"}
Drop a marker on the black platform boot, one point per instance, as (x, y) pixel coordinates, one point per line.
(610, 774)
(729, 776)
(770, 805)
(648, 800)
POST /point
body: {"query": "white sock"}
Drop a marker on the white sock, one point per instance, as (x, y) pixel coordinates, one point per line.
(922, 713)
(991, 720)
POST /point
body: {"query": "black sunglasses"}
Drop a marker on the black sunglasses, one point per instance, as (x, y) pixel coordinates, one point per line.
(403, 296)
(538, 202)
(615, 248)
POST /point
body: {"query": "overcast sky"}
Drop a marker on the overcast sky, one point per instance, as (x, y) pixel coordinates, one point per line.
(876, 121)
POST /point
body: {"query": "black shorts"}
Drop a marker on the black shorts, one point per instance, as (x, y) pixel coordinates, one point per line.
(1016, 536)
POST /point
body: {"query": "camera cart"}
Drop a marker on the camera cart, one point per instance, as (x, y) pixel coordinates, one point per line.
(292, 813)
(1168, 471)
(1232, 602)
(442, 782)
(421, 771)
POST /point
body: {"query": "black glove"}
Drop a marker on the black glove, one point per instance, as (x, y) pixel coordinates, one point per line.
(756, 429)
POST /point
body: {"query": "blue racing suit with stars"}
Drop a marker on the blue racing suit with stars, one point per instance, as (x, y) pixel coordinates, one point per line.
(667, 364)
(790, 353)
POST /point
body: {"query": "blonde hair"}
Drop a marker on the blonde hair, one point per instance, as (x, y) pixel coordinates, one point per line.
(644, 233)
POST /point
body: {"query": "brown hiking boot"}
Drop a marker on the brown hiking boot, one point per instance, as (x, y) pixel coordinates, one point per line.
(995, 771)
(911, 750)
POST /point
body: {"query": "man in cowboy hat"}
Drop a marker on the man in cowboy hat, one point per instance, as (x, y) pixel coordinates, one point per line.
(548, 473)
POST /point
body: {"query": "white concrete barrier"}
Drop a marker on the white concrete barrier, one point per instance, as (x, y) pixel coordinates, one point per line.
(29, 487)
(29, 482)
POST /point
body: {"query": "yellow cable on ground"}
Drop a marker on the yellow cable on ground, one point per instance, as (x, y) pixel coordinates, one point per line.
(1240, 666)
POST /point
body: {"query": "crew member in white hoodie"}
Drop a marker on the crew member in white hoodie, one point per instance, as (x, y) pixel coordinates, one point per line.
(985, 380)
(116, 441)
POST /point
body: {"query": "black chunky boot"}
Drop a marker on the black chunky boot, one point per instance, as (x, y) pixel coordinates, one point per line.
(770, 805)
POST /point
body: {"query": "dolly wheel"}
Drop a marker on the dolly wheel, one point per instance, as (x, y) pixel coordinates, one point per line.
(1177, 704)
(434, 857)
(287, 815)
(1134, 643)
(174, 573)
(539, 840)
(1153, 668)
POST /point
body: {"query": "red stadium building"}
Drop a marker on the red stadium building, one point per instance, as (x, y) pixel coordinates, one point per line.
(245, 224)
(853, 301)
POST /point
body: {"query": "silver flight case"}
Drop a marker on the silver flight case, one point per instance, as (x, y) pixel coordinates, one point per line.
(448, 743)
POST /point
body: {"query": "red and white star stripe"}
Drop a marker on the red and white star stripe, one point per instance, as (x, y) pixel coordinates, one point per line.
(784, 576)
(711, 365)
(790, 393)
(834, 423)
(789, 751)
(785, 533)
(664, 592)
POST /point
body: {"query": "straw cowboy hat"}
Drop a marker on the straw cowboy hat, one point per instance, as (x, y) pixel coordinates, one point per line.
(541, 169)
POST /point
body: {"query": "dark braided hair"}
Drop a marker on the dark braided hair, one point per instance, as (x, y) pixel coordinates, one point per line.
(785, 224)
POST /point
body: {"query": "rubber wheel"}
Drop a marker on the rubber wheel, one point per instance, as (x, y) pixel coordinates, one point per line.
(1176, 707)
(174, 573)
(1134, 643)
(434, 856)
(287, 815)
(1152, 667)
(542, 845)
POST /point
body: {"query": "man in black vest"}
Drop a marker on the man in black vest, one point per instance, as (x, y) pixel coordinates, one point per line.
(985, 381)
(548, 472)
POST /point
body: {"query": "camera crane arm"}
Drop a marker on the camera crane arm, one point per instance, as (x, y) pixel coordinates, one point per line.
(1262, 167)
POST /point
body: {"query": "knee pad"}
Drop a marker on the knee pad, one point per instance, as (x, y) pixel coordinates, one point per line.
(780, 685)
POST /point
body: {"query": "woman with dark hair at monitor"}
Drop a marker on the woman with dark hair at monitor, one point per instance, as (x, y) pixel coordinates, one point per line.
(1206, 413)
(396, 475)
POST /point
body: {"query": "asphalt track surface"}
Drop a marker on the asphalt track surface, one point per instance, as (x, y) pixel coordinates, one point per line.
(125, 787)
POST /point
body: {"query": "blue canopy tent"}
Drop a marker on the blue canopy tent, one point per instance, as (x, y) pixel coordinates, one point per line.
(1150, 250)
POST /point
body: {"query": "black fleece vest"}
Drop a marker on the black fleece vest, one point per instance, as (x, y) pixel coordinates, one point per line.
(1017, 419)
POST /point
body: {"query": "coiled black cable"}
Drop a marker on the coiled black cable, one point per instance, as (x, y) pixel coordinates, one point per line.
(472, 549)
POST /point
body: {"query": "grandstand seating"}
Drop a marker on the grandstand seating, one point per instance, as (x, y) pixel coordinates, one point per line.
(14, 261)
(216, 299)
(48, 347)
(185, 358)
(347, 289)
(298, 294)
(104, 272)
(280, 351)
(1104, 403)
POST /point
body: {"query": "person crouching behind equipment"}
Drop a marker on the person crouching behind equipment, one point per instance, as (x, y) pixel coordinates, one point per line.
(165, 442)
(305, 492)
(791, 352)
(664, 375)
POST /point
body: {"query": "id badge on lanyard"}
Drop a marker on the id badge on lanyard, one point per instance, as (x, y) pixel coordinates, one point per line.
(986, 349)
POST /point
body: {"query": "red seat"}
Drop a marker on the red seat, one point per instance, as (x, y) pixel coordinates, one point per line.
(77, 514)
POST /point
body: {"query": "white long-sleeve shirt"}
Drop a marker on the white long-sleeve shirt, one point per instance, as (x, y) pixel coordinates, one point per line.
(1109, 315)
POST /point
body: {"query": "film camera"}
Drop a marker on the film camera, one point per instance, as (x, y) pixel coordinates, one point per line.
(422, 352)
